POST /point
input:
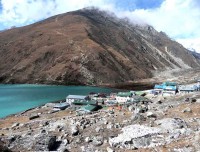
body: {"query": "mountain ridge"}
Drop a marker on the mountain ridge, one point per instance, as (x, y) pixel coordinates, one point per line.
(87, 47)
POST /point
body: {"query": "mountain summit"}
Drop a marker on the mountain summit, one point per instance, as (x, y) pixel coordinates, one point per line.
(87, 46)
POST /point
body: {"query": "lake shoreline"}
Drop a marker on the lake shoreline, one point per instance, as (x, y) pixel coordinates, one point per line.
(26, 96)
(22, 112)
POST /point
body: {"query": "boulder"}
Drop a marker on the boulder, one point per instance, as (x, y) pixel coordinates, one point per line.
(65, 142)
(188, 110)
(117, 125)
(138, 136)
(198, 101)
(193, 100)
(88, 148)
(184, 149)
(142, 109)
(74, 130)
(105, 122)
(109, 126)
(15, 125)
(109, 149)
(151, 115)
(138, 117)
(14, 138)
(142, 141)
(97, 141)
(4, 148)
(88, 139)
(131, 108)
(98, 129)
(159, 102)
(51, 143)
(46, 143)
(171, 123)
(34, 116)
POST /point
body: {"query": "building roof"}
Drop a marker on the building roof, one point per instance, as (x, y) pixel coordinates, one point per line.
(124, 94)
(187, 88)
(61, 105)
(170, 83)
(84, 102)
(76, 97)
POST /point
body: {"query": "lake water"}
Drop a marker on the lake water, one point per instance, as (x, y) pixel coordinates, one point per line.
(17, 98)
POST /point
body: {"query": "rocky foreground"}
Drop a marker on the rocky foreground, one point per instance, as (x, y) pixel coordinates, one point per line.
(161, 124)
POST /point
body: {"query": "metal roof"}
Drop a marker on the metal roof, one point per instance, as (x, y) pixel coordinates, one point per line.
(84, 102)
(124, 94)
(61, 105)
(76, 97)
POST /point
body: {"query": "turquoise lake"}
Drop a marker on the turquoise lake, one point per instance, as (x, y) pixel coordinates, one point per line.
(17, 98)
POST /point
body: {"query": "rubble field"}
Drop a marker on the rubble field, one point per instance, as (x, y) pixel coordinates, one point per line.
(167, 124)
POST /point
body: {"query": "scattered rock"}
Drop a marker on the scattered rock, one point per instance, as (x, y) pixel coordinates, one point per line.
(131, 108)
(159, 102)
(187, 99)
(51, 143)
(109, 149)
(43, 131)
(14, 138)
(105, 122)
(78, 140)
(184, 149)
(98, 129)
(4, 148)
(187, 110)
(46, 143)
(109, 126)
(87, 148)
(142, 141)
(171, 123)
(142, 109)
(65, 142)
(97, 141)
(15, 125)
(138, 117)
(117, 125)
(151, 115)
(34, 116)
(198, 101)
(74, 130)
(88, 139)
(193, 100)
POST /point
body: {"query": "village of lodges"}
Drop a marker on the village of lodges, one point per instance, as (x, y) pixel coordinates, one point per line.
(98, 101)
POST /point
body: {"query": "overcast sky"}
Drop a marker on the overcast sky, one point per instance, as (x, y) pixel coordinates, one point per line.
(180, 19)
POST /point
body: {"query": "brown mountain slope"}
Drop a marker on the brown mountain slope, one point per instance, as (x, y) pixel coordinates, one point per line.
(87, 47)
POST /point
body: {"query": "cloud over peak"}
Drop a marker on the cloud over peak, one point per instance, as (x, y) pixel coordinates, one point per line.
(178, 18)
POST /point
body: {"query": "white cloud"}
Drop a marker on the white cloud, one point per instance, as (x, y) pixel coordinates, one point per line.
(22, 12)
(178, 18)
(190, 43)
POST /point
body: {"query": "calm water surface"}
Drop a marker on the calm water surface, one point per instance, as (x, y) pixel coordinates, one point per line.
(17, 98)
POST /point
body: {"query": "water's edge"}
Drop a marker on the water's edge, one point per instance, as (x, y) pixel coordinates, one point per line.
(17, 98)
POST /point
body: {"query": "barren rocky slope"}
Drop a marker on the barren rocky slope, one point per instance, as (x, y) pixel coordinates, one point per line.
(87, 47)
(161, 124)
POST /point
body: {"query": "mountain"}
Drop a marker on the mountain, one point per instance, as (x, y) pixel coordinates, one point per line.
(87, 46)
(195, 54)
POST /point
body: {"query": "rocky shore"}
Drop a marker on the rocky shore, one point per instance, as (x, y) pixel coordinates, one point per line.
(162, 124)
